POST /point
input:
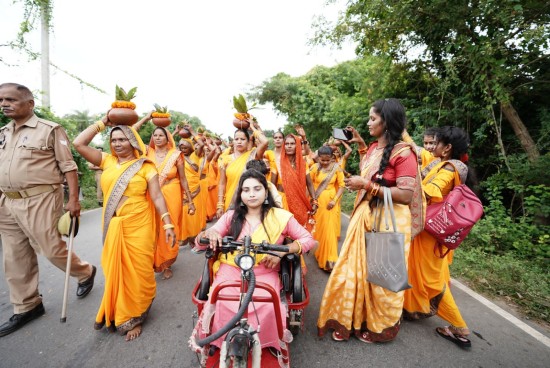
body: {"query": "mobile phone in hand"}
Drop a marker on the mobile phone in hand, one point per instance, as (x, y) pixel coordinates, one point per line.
(342, 134)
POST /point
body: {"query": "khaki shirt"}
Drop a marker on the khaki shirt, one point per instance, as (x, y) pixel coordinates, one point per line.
(37, 153)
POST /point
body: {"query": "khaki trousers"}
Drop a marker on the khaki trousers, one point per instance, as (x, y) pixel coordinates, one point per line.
(28, 227)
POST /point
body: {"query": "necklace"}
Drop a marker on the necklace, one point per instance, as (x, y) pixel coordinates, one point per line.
(292, 162)
(122, 162)
(160, 153)
(328, 169)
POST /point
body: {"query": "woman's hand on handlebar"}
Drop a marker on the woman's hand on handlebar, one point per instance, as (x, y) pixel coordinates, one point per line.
(270, 261)
(214, 238)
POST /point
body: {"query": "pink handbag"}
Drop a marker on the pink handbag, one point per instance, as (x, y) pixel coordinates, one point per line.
(451, 220)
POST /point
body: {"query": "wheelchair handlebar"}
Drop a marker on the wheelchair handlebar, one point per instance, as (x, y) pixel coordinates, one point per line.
(228, 245)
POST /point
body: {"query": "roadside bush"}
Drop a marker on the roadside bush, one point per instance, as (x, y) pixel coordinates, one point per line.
(517, 212)
(518, 281)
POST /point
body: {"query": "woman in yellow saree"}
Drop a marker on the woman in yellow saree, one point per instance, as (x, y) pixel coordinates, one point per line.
(231, 166)
(428, 272)
(350, 304)
(171, 168)
(325, 182)
(190, 222)
(342, 160)
(213, 151)
(128, 227)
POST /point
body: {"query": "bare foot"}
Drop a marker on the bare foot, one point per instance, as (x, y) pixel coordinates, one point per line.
(167, 274)
(133, 333)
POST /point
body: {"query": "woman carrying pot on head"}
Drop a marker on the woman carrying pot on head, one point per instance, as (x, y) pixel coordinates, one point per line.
(231, 166)
(128, 178)
(162, 151)
(428, 272)
(351, 304)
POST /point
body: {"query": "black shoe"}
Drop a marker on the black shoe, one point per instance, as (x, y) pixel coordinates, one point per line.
(85, 287)
(19, 320)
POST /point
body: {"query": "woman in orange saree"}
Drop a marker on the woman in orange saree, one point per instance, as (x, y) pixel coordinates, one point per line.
(163, 153)
(128, 227)
(428, 272)
(351, 304)
(293, 179)
(325, 181)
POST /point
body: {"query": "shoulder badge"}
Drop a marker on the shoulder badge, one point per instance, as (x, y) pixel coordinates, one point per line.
(49, 123)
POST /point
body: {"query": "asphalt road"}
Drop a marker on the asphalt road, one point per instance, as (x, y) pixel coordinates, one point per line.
(46, 342)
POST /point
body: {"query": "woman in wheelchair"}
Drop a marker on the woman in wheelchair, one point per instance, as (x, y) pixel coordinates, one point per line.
(257, 216)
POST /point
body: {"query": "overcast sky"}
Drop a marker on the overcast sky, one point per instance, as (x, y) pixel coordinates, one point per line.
(192, 56)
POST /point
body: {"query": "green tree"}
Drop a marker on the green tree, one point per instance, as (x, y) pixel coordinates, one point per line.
(327, 97)
(486, 52)
(77, 121)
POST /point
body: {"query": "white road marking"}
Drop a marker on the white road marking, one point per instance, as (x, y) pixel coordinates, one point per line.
(507, 316)
(498, 310)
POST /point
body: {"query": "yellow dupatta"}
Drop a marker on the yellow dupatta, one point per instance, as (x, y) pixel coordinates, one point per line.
(275, 222)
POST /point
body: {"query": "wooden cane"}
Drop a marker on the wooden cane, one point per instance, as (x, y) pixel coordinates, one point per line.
(67, 272)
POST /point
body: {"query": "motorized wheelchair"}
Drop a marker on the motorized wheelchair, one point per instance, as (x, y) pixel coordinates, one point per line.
(242, 342)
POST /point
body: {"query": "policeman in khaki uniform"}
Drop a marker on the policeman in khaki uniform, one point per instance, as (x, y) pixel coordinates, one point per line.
(35, 157)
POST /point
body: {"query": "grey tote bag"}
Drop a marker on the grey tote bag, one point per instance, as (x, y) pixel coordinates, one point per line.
(386, 250)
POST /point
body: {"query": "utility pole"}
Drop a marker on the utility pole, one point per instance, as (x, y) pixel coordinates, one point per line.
(45, 57)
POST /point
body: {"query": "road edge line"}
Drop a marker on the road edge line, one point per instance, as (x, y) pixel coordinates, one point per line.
(498, 310)
(507, 316)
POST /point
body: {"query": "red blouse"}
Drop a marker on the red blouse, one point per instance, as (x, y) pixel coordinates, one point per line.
(401, 171)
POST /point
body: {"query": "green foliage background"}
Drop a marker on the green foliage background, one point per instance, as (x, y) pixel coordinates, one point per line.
(459, 63)
(471, 65)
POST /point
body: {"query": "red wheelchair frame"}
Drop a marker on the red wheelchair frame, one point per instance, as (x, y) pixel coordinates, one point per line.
(296, 294)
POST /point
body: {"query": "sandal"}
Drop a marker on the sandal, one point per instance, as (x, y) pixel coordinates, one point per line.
(337, 336)
(167, 274)
(365, 337)
(99, 325)
(460, 340)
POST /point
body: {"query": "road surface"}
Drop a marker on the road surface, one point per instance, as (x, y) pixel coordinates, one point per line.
(45, 342)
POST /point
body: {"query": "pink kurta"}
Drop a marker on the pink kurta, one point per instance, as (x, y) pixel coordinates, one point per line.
(223, 311)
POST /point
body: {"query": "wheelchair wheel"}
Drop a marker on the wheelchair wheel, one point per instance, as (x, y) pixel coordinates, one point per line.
(294, 330)
(204, 288)
(297, 283)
